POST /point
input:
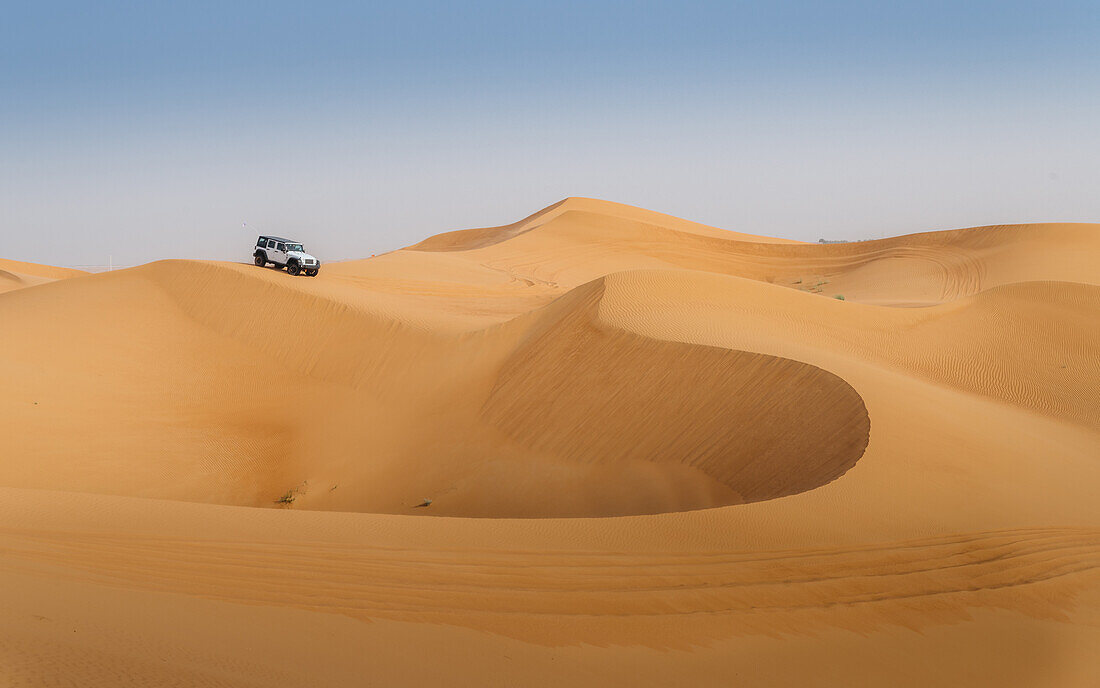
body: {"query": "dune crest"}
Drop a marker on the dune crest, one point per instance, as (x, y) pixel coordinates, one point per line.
(763, 427)
(553, 451)
(715, 427)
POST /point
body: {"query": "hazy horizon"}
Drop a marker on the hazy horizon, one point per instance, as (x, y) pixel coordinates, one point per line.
(143, 131)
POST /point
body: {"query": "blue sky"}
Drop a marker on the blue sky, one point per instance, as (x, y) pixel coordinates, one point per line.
(148, 130)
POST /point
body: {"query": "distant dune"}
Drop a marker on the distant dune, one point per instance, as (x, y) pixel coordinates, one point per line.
(16, 275)
(599, 446)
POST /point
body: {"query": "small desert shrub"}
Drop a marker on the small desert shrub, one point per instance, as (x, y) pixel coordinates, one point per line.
(839, 297)
(292, 494)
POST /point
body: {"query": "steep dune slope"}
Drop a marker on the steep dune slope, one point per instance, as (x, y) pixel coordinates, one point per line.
(1031, 344)
(762, 427)
(805, 490)
(219, 404)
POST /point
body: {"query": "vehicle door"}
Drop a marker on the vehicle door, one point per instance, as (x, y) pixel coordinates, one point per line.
(278, 253)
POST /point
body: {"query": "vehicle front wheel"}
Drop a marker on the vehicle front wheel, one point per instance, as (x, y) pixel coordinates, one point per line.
(311, 273)
(293, 268)
(261, 260)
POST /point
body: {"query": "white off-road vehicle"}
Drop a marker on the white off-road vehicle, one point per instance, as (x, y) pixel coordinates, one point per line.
(285, 253)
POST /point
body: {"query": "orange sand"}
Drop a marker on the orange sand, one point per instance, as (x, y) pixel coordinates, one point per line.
(656, 453)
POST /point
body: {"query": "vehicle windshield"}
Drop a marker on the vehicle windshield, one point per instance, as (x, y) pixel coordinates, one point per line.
(294, 247)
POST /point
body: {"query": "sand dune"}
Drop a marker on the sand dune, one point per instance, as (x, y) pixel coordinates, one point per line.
(16, 275)
(676, 456)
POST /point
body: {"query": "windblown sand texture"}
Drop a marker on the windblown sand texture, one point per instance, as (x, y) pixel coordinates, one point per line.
(600, 446)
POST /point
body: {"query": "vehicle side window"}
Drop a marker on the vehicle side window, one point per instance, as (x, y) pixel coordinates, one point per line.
(271, 243)
(280, 247)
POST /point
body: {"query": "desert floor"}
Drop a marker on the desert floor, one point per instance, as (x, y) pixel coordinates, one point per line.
(600, 446)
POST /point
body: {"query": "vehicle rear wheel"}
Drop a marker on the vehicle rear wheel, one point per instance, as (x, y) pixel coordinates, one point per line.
(261, 260)
(293, 268)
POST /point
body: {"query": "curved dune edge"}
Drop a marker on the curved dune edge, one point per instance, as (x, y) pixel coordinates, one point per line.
(580, 390)
(1037, 342)
(552, 414)
(964, 542)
